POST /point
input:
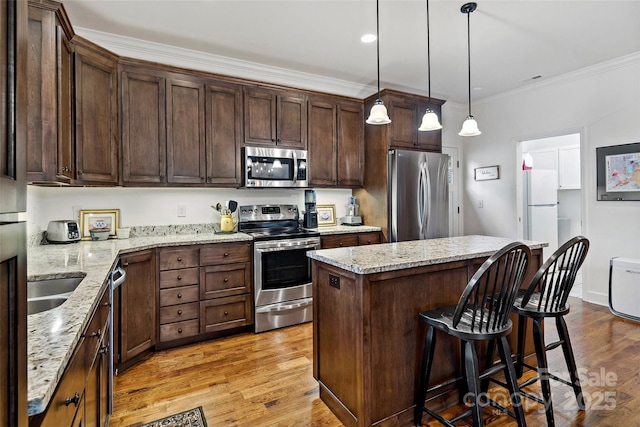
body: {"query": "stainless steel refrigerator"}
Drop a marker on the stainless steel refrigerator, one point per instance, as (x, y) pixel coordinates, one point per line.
(418, 195)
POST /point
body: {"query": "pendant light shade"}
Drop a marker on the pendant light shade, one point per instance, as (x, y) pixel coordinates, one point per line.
(430, 119)
(378, 115)
(470, 126)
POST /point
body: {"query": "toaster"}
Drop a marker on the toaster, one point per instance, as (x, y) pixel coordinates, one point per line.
(63, 231)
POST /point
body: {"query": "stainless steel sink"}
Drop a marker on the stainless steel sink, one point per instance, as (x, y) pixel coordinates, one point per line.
(43, 304)
(43, 288)
(46, 294)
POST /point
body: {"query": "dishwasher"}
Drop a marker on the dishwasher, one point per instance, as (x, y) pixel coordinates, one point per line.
(116, 278)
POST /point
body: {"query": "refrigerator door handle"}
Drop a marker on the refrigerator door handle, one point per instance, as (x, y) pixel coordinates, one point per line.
(423, 199)
(420, 198)
(427, 200)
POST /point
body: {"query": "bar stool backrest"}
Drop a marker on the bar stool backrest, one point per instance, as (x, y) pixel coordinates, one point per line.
(487, 300)
(557, 275)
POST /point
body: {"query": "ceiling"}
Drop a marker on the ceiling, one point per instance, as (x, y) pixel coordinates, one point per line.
(512, 41)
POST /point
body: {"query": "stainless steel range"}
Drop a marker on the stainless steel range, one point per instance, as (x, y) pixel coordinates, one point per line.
(282, 271)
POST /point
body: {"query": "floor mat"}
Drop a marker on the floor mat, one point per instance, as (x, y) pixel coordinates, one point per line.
(191, 418)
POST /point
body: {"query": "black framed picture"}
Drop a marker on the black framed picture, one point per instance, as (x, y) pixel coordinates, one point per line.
(618, 172)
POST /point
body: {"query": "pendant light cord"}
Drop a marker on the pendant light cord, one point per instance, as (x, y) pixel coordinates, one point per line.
(428, 58)
(378, 43)
(469, 56)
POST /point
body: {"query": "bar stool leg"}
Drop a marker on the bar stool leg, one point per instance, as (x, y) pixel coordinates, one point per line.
(543, 370)
(571, 362)
(473, 381)
(522, 329)
(425, 371)
(510, 376)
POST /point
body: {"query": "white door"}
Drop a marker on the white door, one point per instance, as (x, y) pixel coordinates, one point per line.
(454, 190)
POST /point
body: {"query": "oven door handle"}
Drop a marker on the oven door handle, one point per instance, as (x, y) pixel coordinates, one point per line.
(284, 307)
(288, 247)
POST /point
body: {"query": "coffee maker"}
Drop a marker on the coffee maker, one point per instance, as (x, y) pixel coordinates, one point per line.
(310, 211)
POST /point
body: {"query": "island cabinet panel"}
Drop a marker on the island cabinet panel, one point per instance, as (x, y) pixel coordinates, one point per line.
(144, 141)
(96, 114)
(136, 307)
(186, 158)
(224, 134)
(275, 117)
(368, 338)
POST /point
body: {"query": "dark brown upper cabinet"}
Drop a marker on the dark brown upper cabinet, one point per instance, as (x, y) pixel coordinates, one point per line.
(96, 114)
(186, 158)
(144, 135)
(336, 142)
(406, 111)
(224, 133)
(50, 142)
(275, 117)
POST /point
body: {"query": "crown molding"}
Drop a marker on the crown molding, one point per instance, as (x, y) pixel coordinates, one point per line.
(603, 67)
(187, 58)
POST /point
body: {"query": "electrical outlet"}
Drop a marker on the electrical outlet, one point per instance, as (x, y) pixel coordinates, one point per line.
(182, 211)
(481, 203)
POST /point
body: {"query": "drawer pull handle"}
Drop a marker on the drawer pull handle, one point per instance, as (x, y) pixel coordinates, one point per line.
(179, 330)
(226, 313)
(340, 244)
(179, 259)
(179, 311)
(75, 400)
(179, 277)
(104, 349)
(226, 279)
(369, 241)
(179, 295)
(96, 334)
(125, 264)
(226, 254)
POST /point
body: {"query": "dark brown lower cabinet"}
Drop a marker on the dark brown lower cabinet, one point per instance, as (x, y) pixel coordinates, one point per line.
(135, 331)
(349, 239)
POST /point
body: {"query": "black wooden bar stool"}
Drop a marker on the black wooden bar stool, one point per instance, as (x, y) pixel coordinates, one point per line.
(482, 314)
(545, 297)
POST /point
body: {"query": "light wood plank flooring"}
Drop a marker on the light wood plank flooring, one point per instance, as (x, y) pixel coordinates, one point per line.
(266, 379)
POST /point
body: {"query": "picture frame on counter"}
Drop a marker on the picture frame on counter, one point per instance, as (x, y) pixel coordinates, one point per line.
(99, 220)
(487, 173)
(326, 215)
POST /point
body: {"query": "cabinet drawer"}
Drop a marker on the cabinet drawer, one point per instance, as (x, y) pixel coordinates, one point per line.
(180, 295)
(225, 313)
(178, 313)
(225, 280)
(174, 331)
(182, 277)
(172, 259)
(339, 241)
(225, 253)
(368, 238)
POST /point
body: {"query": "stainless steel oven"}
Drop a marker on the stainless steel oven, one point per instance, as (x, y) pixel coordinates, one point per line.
(282, 270)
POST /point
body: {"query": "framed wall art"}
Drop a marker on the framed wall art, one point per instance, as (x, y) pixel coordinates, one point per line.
(618, 172)
(486, 173)
(99, 220)
(326, 215)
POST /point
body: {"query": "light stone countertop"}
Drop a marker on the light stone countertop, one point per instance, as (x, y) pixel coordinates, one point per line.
(344, 229)
(401, 255)
(52, 335)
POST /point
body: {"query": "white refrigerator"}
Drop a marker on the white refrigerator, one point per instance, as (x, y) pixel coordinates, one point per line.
(541, 208)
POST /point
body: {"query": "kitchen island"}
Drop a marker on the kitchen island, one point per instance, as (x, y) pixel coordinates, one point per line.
(367, 339)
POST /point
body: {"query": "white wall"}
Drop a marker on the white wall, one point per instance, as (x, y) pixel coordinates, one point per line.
(603, 104)
(157, 206)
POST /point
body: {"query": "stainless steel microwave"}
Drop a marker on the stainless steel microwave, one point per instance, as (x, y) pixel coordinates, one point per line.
(275, 167)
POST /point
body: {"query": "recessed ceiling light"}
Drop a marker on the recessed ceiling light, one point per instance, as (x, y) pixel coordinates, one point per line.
(368, 38)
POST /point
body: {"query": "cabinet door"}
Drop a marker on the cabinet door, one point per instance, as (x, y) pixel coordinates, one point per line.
(350, 148)
(66, 143)
(292, 120)
(96, 393)
(569, 168)
(224, 134)
(42, 107)
(322, 143)
(259, 117)
(339, 241)
(403, 115)
(144, 142)
(137, 305)
(186, 159)
(96, 115)
(368, 238)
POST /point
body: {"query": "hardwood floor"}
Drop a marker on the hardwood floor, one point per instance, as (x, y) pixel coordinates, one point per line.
(266, 379)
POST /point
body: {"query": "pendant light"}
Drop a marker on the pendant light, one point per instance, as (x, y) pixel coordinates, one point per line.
(470, 126)
(378, 115)
(430, 119)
